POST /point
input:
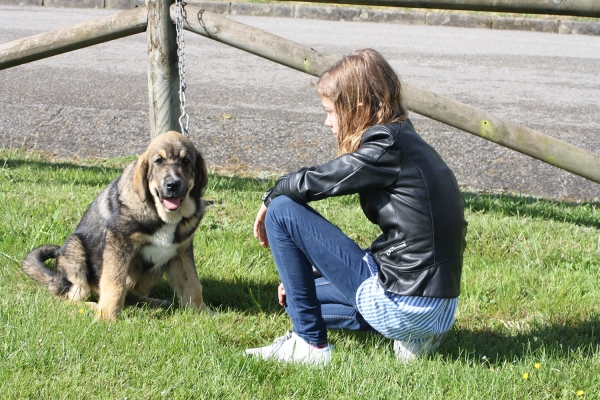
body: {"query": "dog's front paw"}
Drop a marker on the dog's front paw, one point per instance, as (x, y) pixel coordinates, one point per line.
(100, 316)
(105, 317)
(205, 310)
(107, 313)
(93, 306)
(201, 307)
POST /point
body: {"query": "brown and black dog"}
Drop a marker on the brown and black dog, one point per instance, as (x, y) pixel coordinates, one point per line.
(138, 228)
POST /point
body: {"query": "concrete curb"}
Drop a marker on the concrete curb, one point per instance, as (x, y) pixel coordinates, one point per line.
(333, 13)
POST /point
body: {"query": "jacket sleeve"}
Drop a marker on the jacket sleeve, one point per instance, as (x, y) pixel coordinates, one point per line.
(373, 166)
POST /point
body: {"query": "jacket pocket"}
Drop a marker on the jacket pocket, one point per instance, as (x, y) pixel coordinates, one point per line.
(389, 250)
(396, 262)
(391, 255)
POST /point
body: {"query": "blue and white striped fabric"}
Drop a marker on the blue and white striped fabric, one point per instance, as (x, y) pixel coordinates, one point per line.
(397, 317)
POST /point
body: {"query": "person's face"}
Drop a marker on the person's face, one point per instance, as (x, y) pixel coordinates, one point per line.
(332, 120)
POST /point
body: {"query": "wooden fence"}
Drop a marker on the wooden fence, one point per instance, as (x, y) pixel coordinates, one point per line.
(581, 8)
(157, 18)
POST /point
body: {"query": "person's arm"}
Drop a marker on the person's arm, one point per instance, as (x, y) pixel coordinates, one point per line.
(260, 232)
(374, 165)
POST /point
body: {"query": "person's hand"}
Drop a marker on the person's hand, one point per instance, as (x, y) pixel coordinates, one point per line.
(260, 232)
(281, 294)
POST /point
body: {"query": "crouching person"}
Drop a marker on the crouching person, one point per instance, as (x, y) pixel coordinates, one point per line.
(406, 285)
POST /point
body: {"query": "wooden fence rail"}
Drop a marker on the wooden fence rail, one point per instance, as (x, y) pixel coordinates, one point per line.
(581, 8)
(162, 91)
(74, 37)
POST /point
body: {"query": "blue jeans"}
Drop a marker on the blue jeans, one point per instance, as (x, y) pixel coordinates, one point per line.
(301, 238)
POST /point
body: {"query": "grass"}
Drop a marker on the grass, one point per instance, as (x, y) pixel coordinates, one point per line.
(528, 325)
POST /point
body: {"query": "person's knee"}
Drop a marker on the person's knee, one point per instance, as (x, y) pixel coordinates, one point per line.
(280, 205)
(284, 211)
(277, 207)
(281, 202)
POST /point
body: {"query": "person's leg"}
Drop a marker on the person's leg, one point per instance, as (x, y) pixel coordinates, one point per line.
(337, 312)
(299, 238)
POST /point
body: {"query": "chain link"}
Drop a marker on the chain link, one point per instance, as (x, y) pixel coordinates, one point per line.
(184, 119)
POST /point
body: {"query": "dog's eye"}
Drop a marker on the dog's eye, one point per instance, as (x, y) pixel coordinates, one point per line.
(158, 161)
(186, 160)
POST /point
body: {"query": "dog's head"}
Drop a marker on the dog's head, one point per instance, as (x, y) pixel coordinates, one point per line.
(171, 172)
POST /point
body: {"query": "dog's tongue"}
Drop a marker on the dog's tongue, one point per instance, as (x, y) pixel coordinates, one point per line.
(172, 203)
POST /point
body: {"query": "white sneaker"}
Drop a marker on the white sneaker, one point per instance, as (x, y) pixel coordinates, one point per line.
(406, 351)
(292, 348)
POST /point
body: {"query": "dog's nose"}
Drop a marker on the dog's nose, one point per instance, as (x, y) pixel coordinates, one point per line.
(173, 186)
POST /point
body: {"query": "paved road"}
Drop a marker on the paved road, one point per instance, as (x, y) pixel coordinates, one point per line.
(249, 114)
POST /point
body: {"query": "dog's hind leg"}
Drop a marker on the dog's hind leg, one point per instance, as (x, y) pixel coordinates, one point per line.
(69, 278)
(71, 262)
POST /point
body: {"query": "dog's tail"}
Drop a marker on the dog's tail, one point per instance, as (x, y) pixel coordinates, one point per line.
(34, 267)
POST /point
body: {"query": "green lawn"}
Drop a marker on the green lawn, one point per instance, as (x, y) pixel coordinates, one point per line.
(528, 325)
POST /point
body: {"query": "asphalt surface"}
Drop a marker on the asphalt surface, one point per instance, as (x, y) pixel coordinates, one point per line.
(251, 115)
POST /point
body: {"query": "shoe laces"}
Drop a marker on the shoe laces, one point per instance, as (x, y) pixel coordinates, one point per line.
(281, 340)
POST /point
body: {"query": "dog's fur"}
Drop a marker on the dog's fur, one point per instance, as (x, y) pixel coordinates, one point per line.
(138, 228)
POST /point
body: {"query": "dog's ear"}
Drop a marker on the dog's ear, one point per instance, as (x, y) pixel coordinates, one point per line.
(140, 178)
(201, 176)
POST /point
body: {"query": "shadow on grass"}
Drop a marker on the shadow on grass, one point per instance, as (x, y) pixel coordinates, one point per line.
(106, 171)
(93, 174)
(490, 347)
(580, 213)
(242, 296)
(559, 339)
(556, 339)
(583, 214)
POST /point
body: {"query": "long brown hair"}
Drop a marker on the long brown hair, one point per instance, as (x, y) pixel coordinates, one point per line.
(365, 91)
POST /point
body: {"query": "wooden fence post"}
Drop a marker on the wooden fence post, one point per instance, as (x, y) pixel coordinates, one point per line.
(163, 72)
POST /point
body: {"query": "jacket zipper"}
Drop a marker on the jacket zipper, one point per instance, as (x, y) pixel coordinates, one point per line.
(392, 249)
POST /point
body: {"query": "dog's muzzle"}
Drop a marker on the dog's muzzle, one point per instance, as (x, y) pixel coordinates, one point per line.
(172, 193)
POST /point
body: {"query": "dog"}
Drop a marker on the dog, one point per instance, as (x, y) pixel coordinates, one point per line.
(139, 227)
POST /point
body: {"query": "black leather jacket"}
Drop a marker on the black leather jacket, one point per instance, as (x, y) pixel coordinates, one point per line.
(408, 190)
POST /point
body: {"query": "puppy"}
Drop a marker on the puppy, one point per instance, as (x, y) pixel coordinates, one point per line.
(138, 228)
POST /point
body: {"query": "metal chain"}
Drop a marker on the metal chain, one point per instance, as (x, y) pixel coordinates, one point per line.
(181, 15)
